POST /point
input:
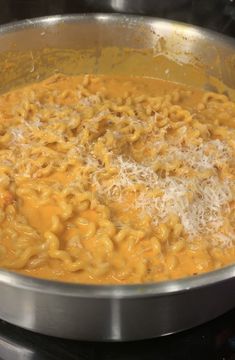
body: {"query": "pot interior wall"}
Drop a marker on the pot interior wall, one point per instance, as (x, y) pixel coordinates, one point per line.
(112, 44)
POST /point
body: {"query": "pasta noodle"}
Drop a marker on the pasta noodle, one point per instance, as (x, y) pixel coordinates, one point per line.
(116, 180)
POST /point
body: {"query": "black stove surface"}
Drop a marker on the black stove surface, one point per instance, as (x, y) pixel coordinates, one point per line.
(214, 340)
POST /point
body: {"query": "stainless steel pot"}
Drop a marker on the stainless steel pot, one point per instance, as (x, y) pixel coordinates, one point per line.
(114, 312)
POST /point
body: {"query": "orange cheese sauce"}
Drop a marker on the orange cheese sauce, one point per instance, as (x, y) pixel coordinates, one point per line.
(116, 180)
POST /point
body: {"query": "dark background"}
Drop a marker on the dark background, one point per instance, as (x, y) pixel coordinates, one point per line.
(212, 341)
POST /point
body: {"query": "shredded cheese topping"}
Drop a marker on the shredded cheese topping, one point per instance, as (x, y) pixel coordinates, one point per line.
(198, 202)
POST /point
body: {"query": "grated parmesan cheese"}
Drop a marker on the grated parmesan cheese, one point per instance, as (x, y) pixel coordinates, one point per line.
(199, 202)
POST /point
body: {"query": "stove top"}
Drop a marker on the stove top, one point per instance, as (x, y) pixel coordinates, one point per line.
(212, 341)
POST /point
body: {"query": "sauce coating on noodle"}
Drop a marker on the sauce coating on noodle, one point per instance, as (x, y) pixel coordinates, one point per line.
(113, 180)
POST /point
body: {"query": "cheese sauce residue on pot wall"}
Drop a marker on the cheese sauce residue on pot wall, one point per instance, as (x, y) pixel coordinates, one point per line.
(116, 180)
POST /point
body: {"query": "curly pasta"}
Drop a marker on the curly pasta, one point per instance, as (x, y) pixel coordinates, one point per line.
(116, 180)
